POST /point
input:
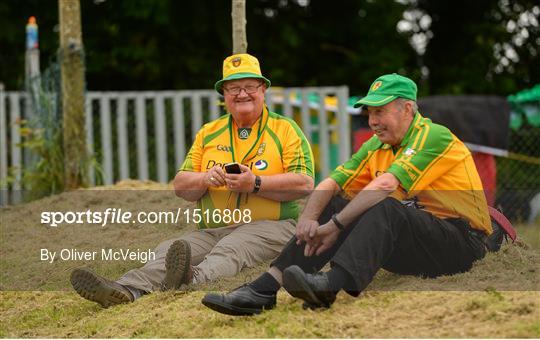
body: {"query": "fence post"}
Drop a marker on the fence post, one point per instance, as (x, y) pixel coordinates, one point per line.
(214, 106)
(269, 100)
(3, 149)
(196, 113)
(161, 139)
(324, 136)
(142, 148)
(179, 130)
(89, 124)
(106, 139)
(16, 161)
(121, 126)
(344, 121)
(287, 107)
(304, 114)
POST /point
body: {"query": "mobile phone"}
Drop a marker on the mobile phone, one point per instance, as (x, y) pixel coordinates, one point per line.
(232, 168)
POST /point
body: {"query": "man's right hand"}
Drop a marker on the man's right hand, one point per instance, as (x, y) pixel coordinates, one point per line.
(305, 230)
(326, 236)
(215, 177)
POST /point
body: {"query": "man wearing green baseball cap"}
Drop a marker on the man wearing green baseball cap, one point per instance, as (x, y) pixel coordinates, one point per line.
(388, 94)
(409, 201)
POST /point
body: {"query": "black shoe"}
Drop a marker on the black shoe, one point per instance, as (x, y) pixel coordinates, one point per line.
(241, 301)
(178, 266)
(98, 289)
(314, 289)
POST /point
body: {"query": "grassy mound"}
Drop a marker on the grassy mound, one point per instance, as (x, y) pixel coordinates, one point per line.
(499, 297)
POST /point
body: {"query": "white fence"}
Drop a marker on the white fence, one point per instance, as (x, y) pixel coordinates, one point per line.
(146, 135)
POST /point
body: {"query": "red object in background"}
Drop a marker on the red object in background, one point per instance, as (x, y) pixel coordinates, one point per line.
(485, 164)
(487, 169)
(360, 136)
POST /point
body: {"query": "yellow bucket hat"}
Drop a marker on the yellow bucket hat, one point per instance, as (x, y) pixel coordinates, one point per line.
(239, 66)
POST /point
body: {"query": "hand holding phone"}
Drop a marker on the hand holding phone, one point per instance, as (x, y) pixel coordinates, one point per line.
(233, 168)
(215, 177)
(243, 179)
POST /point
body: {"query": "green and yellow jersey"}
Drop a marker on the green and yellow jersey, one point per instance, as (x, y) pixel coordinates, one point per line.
(433, 167)
(275, 145)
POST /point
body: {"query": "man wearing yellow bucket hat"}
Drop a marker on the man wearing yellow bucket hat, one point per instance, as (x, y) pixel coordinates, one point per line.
(410, 201)
(246, 217)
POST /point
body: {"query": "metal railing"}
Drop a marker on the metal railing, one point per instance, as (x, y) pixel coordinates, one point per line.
(146, 135)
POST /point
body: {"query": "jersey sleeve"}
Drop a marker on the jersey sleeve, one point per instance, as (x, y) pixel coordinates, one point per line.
(194, 157)
(297, 156)
(353, 175)
(426, 158)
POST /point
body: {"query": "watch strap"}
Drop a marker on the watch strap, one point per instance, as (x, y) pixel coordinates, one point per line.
(257, 185)
(338, 224)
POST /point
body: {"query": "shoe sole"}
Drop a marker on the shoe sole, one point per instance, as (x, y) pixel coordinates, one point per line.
(228, 309)
(177, 264)
(295, 284)
(94, 288)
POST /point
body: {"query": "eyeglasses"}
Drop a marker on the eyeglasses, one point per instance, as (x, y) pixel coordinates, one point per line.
(235, 91)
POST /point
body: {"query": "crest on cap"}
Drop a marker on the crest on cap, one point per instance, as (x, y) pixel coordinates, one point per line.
(376, 85)
(237, 61)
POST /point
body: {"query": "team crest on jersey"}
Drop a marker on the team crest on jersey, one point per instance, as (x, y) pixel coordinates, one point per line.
(409, 152)
(261, 164)
(261, 149)
(243, 133)
(376, 85)
(237, 61)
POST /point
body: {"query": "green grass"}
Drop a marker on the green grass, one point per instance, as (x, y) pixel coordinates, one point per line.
(499, 297)
(373, 314)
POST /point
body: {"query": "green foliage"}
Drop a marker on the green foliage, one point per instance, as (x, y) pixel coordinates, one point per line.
(461, 56)
(153, 45)
(46, 175)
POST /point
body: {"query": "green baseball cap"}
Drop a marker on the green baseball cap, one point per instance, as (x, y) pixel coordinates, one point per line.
(387, 88)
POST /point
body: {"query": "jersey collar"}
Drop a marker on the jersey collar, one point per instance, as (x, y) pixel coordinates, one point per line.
(261, 126)
(408, 134)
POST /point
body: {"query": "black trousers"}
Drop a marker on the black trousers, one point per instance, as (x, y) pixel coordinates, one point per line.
(389, 235)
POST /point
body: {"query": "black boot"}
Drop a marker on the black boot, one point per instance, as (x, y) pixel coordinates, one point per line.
(314, 289)
(241, 301)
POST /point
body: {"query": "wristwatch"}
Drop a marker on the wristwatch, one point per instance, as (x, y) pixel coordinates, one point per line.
(338, 224)
(257, 185)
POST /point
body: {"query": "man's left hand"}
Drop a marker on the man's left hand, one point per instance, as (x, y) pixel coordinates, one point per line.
(243, 182)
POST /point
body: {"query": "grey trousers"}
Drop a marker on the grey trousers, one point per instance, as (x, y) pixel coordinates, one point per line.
(218, 252)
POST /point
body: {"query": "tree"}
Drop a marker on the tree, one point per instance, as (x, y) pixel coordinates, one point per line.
(238, 15)
(473, 50)
(142, 45)
(72, 64)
